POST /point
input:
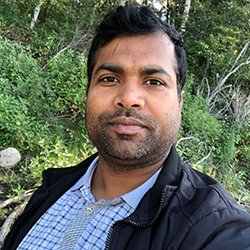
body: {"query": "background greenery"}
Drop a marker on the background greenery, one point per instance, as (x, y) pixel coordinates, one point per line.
(43, 83)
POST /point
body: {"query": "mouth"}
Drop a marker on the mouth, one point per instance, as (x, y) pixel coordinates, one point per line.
(126, 125)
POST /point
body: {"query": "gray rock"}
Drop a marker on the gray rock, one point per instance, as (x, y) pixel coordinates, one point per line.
(9, 157)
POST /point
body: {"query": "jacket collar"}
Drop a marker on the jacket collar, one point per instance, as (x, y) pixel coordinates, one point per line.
(157, 197)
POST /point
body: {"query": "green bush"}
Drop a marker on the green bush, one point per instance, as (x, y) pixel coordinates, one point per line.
(66, 76)
(57, 156)
(21, 78)
(17, 127)
(215, 146)
(23, 100)
(243, 146)
(39, 105)
(41, 113)
(203, 130)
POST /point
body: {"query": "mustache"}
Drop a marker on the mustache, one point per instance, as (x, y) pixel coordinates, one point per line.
(148, 120)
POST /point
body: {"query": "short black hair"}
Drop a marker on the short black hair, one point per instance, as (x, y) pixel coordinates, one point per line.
(133, 21)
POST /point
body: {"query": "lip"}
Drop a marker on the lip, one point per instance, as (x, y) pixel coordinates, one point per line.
(126, 125)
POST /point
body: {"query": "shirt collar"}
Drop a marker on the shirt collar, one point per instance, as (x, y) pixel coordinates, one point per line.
(85, 180)
(132, 198)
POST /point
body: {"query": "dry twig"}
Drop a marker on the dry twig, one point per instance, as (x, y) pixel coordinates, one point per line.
(4, 230)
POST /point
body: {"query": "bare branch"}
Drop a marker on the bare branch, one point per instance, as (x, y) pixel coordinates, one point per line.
(61, 51)
(184, 138)
(203, 159)
(222, 82)
(232, 70)
(4, 230)
(240, 55)
(25, 196)
(10, 220)
(9, 201)
(73, 44)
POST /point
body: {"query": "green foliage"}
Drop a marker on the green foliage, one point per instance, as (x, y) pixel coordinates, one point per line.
(20, 77)
(215, 35)
(204, 130)
(30, 175)
(31, 101)
(20, 110)
(212, 146)
(235, 181)
(58, 156)
(17, 128)
(41, 113)
(243, 146)
(66, 75)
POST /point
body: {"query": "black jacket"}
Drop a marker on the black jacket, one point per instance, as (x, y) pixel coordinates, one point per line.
(199, 214)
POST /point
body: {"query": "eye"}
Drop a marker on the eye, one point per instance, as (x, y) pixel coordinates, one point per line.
(108, 79)
(154, 82)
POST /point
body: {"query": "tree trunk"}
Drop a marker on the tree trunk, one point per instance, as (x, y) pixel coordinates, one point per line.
(168, 13)
(185, 15)
(35, 15)
(122, 2)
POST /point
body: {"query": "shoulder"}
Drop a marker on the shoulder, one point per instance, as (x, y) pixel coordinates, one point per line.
(200, 194)
(215, 218)
(59, 180)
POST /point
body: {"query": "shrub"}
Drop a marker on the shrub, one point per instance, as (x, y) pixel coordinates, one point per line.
(243, 146)
(66, 76)
(203, 129)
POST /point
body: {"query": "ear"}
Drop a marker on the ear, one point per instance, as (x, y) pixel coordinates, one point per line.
(181, 100)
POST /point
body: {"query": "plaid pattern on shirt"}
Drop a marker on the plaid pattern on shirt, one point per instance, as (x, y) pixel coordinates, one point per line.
(56, 229)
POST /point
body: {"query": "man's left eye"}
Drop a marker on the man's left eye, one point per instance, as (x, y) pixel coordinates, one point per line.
(154, 82)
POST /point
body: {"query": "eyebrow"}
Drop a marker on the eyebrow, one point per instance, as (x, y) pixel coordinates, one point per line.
(155, 70)
(108, 67)
(144, 71)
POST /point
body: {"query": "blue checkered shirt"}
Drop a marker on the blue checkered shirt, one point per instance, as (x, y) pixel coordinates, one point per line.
(76, 221)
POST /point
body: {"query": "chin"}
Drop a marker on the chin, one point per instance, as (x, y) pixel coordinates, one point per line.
(127, 161)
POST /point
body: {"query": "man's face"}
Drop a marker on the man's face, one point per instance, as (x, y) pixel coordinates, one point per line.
(133, 113)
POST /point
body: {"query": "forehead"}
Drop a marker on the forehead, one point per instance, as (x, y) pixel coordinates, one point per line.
(139, 50)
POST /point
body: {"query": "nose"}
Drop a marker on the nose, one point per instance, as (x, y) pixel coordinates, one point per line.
(130, 95)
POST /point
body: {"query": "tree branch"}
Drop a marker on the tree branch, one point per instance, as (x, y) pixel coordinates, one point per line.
(222, 82)
(203, 159)
(184, 138)
(4, 230)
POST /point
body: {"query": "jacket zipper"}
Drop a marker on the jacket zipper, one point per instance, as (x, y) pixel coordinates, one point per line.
(136, 224)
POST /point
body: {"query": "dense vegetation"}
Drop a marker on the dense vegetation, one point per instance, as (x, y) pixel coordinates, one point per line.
(43, 82)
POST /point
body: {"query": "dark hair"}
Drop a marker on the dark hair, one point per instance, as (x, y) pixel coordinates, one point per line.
(131, 21)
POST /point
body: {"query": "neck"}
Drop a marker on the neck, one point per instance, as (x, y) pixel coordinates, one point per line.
(109, 183)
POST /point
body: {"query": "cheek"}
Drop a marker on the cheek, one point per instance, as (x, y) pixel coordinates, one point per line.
(95, 99)
(165, 111)
(100, 95)
(91, 108)
(97, 103)
(159, 107)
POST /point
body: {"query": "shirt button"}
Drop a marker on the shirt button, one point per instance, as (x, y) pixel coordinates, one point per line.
(88, 210)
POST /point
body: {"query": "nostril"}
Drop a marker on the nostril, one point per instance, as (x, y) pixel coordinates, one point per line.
(135, 105)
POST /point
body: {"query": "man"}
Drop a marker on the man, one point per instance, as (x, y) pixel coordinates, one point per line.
(137, 193)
